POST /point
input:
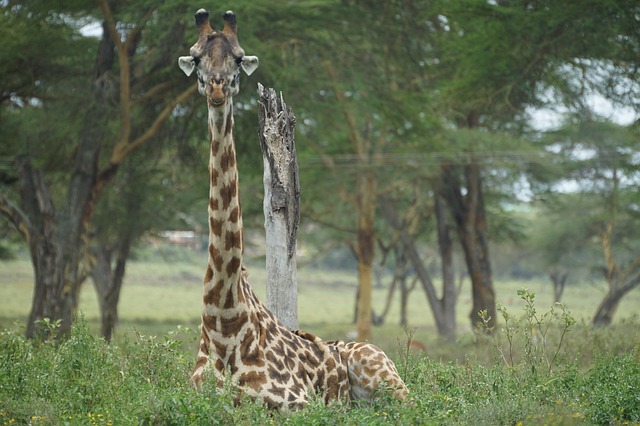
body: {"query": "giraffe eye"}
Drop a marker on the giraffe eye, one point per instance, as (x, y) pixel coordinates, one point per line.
(196, 61)
(238, 61)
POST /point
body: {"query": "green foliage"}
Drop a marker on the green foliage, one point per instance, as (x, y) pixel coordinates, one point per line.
(611, 390)
(536, 343)
(144, 380)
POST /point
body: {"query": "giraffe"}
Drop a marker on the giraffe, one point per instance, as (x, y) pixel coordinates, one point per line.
(240, 339)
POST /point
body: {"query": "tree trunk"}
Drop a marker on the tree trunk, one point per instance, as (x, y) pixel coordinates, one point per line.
(467, 209)
(57, 242)
(365, 252)
(281, 205)
(610, 303)
(449, 291)
(55, 253)
(558, 281)
(108, 283)
(404, 298)
(44, 247)
(389, 299)
(437, 305)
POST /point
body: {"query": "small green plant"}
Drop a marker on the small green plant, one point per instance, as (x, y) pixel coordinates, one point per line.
(535, 328)
(50, 329)
(406, 359)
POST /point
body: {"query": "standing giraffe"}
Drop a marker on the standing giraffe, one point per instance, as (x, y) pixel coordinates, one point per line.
(239, 336)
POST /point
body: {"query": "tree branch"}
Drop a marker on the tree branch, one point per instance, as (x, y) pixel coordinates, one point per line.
(124, 147)
(111, 24)
(154, 91)
(358, 144)
(16, 217)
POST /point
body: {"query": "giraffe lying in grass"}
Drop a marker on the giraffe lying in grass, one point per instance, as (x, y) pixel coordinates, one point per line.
(240, 338)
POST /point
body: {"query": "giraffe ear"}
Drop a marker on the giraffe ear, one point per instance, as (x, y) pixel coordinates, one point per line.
(249, 64)
(187, 64)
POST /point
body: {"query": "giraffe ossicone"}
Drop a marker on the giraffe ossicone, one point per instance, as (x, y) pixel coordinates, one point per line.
(240, 338)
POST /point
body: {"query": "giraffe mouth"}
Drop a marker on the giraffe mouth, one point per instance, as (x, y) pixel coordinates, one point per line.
(217, 102)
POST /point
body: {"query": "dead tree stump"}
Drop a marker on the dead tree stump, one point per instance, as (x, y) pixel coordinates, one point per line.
(281, 204)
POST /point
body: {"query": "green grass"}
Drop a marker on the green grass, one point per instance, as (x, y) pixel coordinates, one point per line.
(157, 296)
(143, 380)
(582, 376)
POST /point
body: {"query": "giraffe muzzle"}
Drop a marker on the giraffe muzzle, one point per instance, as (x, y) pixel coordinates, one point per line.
(217, 95)
(217, 102)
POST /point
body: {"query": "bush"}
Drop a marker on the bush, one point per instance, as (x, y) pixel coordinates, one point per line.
(611, 390)
(144, 380)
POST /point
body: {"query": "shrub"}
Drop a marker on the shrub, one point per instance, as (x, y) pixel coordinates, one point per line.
(611, 390)
(144, 380)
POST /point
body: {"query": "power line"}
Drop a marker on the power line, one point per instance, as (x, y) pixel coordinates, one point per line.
(438, 158)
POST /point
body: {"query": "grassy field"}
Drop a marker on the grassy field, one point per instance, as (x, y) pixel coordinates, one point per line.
(158, 296)
(561, 373)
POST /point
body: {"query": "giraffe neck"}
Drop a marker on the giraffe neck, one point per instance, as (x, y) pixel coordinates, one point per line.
(225, 219)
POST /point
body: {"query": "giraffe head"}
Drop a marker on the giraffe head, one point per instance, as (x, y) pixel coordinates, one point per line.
(217, 59)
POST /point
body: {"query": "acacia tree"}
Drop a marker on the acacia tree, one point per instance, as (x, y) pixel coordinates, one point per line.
(379, 116)
(600, 161)
(443, 307)
(126, 79)
(497, 59)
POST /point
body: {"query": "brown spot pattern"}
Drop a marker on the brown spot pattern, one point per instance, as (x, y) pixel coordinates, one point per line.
(232, 240)
(215, 147)
(229, 123)
(200, 362)
(227, 193)
(209, 321)
(216, 257)
(233, 266)
(214, 177)
(215, 226)
(234, 215)
(252, 379)
(209, 274)
(228, 301)
(213, 296)
(231, 327)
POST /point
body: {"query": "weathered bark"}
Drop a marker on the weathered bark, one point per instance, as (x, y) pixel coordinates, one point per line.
(39, 220)
(389, 299)
(609, 305)
(399, 280)
(404, 294)
(558, 281)
(466, 205)
(449, 291)
(108, 283)
(620, 280)
(281, 204)
(365, 252)
(443, 311)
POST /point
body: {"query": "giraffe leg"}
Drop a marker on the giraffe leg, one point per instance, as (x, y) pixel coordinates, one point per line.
(204, 363)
